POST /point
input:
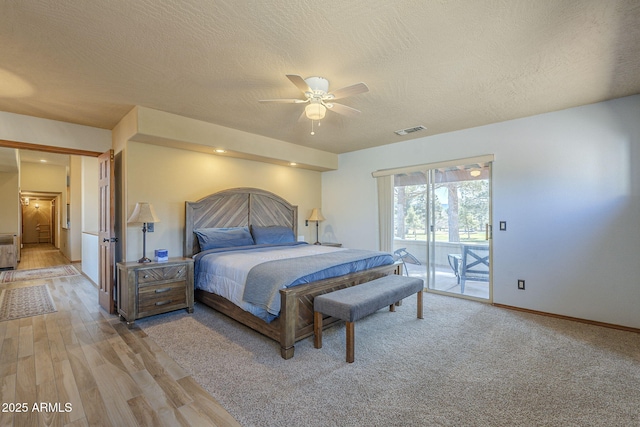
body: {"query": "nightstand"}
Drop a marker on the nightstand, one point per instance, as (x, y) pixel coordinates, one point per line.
(146, 289)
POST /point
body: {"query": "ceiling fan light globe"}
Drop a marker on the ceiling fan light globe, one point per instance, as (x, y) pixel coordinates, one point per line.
(315, 111)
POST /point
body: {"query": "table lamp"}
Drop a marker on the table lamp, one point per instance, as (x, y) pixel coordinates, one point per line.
(316, 216)
(143, 213)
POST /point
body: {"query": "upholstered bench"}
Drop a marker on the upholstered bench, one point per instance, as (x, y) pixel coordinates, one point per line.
(354, 303)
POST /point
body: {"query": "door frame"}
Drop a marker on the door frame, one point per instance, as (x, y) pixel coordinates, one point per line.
(387, 216)
(106, 232)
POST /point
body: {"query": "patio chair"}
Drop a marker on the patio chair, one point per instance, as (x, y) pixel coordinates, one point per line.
(404, 256)
(474, 264)
(454, 263)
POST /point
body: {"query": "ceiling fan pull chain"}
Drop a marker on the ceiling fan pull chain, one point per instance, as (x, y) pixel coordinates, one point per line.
(312, 132)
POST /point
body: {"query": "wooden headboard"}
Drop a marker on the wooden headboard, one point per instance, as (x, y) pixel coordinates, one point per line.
(236, 207)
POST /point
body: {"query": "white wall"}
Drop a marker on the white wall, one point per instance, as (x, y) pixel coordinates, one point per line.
(90, 257)
(168, 177)
(90, 213)
(74, 233)
(34, 130)
(10, 206)
(567, 184)
(90, 194)
(41, 177)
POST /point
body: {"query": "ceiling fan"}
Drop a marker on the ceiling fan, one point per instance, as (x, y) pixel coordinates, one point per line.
(319, 99)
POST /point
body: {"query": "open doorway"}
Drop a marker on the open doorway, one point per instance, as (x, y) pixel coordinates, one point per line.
(63, 181)
(40, 218)
(43, 195)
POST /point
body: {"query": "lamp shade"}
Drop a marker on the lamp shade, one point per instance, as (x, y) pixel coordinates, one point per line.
(143, 213)
(316, 215)
(315, 111)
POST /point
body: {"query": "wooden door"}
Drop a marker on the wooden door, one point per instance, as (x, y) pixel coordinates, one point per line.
(106, 233)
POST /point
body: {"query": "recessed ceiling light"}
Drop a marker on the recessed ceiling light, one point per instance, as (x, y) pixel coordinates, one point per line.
(293, 164)
(220, 150)
(43, 161)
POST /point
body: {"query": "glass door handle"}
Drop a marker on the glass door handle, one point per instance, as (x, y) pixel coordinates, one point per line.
(488, 231)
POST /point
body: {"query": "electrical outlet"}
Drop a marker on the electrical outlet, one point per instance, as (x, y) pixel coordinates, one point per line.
(521, 284)
(503, 225)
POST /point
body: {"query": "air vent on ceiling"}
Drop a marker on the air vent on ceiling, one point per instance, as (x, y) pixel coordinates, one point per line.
(406, 131)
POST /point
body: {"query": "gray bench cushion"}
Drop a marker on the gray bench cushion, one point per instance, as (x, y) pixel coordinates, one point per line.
(356, 302)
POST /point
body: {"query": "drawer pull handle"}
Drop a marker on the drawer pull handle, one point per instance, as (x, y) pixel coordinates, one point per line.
(163, 302)
(146, 276)
(159, 291)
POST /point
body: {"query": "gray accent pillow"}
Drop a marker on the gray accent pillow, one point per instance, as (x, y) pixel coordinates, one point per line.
(272, 235)
(215, 238)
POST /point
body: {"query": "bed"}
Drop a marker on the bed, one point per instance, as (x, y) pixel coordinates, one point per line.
(256, 208)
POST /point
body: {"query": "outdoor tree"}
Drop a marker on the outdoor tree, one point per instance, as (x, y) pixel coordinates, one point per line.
(411, 219)
(467, 208)
(474, 204)
(410, 202)
(453, 211)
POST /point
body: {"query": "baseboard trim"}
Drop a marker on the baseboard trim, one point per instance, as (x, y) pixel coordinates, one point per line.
(574, 319)
(95, 285)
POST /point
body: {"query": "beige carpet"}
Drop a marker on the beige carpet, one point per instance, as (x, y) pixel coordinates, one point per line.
(465, 364)
(29, 301)
(40, 273)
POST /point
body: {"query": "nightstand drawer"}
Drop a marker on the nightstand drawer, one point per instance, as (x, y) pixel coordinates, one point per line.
(162, 296)
(149, 276)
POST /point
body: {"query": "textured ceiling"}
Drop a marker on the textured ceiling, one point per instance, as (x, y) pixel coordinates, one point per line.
(447, 65)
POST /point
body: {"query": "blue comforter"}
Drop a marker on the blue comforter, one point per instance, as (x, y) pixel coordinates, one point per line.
(265, 280)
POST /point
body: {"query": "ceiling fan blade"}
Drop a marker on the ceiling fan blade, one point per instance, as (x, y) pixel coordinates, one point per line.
(350, 91)
(299, 82)
(285, 101)
(343, 109)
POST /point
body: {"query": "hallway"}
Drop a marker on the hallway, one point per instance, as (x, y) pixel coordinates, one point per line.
(41, 255)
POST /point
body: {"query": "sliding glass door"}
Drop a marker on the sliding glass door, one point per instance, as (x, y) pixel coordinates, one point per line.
(442, 227)
(459, 227)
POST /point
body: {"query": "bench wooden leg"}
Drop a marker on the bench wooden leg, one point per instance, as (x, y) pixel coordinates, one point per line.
(392, 307)
(317, 329)
(419, 296)
(350, 343)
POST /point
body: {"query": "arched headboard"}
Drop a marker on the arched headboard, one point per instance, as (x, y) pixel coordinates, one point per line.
(236, 207)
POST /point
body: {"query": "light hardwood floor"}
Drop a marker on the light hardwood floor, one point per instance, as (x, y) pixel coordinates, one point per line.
(40, 255)
(82, 359)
